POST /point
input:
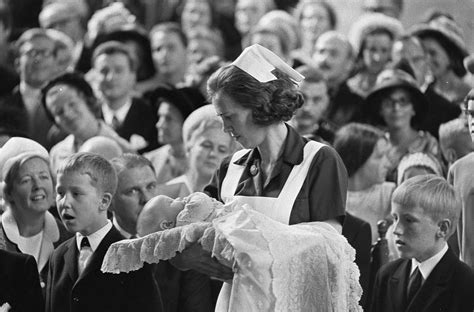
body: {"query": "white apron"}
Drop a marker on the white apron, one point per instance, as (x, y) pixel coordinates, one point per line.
(279, 209)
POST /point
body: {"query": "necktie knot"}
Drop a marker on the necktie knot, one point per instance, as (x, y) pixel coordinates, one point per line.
(85, 242)
(115, 122)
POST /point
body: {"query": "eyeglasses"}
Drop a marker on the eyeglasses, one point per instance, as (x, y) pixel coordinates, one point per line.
(38, 53)
(389, 103)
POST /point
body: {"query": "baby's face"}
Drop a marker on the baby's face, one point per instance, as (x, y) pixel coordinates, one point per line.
(159, 214)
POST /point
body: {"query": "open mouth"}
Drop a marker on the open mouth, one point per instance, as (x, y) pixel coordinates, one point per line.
(38, 197)
(399, 243)
(67, 217)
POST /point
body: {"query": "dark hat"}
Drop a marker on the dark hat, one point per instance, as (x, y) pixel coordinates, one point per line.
(450, 37)
(132, 32)
(388, 80)
(173, 96)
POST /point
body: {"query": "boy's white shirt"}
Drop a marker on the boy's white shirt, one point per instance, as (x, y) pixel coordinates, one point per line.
(94, 238)
(427, 266)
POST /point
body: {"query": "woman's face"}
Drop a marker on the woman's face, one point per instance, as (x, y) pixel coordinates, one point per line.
(207, 151)
(32, 189)
(170, 124)
(69, 109)
(195, 13)
(238, 121)
(376, 167)
(438, 59)
(397, 109)
(314, 22)
(376, 53)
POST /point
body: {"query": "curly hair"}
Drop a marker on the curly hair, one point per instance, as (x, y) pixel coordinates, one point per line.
(271, 102)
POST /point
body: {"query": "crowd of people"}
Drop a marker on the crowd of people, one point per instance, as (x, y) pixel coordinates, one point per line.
(106, 104)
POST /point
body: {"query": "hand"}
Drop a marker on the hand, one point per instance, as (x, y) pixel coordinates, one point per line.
(196, 258)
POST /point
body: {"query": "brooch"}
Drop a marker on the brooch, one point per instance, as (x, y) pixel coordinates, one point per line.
(253, 170)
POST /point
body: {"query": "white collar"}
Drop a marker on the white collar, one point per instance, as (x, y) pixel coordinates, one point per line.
(51, 231)
(50, 235)
(94, 238)
(120, 113)
(427, 266)
(120, 229)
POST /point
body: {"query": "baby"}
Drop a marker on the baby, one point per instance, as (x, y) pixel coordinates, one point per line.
(163, 213)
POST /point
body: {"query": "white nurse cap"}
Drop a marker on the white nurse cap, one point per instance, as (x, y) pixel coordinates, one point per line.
(259, 62)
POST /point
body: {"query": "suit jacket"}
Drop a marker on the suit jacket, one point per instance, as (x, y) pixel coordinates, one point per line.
(183, 291)
(37, 123)
(140, 120)
(450, 287)
(461, 176)
(94, 290)
(359, 236)
(19, 282)
(440, 110)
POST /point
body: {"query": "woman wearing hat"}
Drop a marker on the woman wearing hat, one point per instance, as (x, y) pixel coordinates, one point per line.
(173, 107)
(372, 37)
(71, 104)
(279, 173)
(397, 105)
(28, 191)
(443, 41)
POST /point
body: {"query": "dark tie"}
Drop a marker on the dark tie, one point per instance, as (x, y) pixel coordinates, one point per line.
(84, 255)
(414, 284)
(115, 123)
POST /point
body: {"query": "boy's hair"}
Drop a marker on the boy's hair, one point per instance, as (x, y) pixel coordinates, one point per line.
(130, 161)
(101, 172)
(431, 193)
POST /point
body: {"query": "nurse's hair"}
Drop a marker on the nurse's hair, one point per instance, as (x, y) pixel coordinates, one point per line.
(271, 102)
(355, 143)
(432, 193)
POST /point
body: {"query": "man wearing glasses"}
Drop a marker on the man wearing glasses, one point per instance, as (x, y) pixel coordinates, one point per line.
(36, 64)
(461, 175)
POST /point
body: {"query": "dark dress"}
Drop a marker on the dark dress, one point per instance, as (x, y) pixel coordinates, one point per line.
(323, 194)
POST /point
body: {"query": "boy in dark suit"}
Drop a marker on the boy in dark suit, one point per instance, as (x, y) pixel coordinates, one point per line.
(85, 186)
(429, 277)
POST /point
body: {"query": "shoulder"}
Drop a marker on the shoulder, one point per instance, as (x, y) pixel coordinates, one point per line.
(11, 259)
(389, 268)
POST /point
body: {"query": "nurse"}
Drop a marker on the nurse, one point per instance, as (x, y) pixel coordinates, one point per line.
(278, 173)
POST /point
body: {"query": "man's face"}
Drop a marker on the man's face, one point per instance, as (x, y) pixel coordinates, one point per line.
(115, 77)
(37, 61)
(415, 55)
(470, 118)
(135, 187)
(331, 56)
(247, 14)
(169, 52)
(316, 101)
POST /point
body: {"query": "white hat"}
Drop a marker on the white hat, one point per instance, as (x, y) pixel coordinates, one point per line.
(418, 159)
(18, 149)
(259, 62)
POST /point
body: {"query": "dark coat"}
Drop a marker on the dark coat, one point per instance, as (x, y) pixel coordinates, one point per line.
(94, 290)
(141, 120)
(344, 106)
(11, 246)
(359, 236)
(37, 123)
(440, 110)
(19, 282)
(450, 287)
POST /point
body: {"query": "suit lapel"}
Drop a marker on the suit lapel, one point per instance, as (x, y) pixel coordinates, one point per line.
(97, 257)
(435, 285)
(397, 286)
(70, 259)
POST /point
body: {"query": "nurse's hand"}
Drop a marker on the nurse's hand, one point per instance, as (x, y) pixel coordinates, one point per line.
(195, 258)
